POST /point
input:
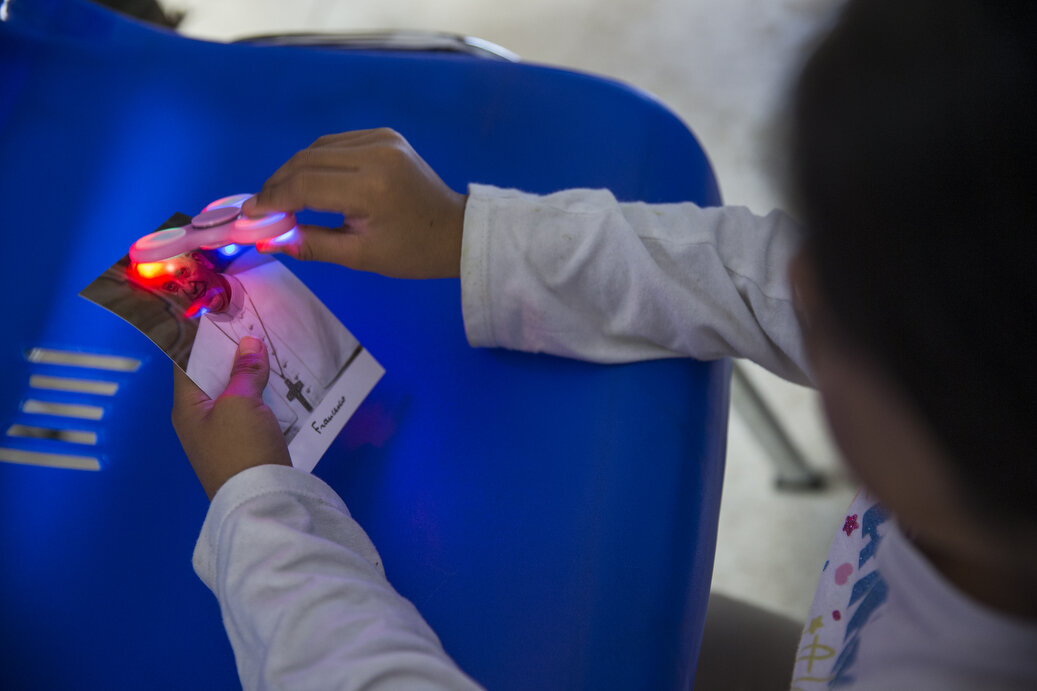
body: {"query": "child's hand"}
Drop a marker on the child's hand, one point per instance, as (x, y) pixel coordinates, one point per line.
(235, 432)
(400, 218)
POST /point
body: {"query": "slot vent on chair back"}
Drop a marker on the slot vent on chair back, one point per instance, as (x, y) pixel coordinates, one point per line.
(58, 420)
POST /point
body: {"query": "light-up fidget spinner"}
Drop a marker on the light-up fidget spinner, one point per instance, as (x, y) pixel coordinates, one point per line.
(221, 223)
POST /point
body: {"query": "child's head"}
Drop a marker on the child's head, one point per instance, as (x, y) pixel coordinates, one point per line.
(915, 167)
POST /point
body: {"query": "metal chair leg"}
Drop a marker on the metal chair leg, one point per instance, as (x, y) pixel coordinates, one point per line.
(793, 471)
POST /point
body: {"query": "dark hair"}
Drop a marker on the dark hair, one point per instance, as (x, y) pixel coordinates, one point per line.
(915, 169)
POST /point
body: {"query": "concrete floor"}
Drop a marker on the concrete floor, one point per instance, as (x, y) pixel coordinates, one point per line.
(723, 66)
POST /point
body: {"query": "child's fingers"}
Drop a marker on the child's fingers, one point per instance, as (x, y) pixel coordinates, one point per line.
(347, 152)
(328, 159)
(189, 401)
(317, 189)
(381, 134)
(317, 243)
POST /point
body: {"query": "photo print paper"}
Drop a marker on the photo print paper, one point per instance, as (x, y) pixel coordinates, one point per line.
(197, 306)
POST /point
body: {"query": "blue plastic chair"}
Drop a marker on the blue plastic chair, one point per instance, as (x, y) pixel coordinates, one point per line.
(554, 521)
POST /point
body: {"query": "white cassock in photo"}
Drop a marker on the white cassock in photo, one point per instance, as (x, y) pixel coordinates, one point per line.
(307, 345)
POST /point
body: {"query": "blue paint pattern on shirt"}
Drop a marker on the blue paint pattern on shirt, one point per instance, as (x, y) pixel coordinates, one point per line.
(870, 592)
(873, 518)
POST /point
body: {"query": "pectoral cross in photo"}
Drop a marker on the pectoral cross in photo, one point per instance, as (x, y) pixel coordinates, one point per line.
(295, 394)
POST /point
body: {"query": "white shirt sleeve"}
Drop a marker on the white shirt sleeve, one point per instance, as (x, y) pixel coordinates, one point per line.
(581, 275)
(303, 595)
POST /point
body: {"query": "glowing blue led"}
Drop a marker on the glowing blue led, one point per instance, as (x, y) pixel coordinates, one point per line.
(229, 250)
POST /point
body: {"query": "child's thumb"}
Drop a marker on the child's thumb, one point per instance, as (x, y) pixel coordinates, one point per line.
(250, 371)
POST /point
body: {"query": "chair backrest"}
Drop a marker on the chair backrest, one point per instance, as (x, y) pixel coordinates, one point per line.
(554, 521)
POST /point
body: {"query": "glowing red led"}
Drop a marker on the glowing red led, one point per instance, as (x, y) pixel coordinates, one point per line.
(150, 270)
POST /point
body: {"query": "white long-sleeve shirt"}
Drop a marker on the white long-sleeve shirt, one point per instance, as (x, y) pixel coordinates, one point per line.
(303, 594)
(578, 274)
